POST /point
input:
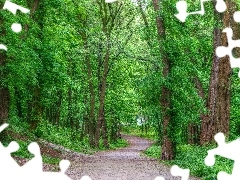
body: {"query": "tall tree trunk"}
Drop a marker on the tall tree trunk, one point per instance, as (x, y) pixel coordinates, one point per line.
(4, 92)
(91, 123)
(208, 121)
(193, 133)
(4, 103)
(57, 108)
(167, 146)
(35, 106)
(109, 14)
(101, 115)
(194, 129)
(105, 132)
(70, 95)
(218, 102)
(70, 108)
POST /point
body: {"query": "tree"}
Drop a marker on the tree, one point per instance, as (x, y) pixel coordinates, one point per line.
(167, 147)
(218, 102)
(4, 92)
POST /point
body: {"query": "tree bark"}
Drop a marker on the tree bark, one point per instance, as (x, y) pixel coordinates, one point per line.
(208, 121)
(167, 147)
(91, 123)
(4, 92)
(4, 104)
(101, 117)
(108, 15)
(193, 134)
(218, 102)
(35, 109)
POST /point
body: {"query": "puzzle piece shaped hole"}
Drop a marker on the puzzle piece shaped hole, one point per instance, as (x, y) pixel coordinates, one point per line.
(22, 152)
(223, 51)
(216, 161)
(236, 16)
(184, 10)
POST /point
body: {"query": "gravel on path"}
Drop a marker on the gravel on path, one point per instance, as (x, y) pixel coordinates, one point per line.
(121, 164)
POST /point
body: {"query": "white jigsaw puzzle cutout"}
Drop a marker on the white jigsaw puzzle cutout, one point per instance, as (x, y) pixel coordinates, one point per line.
(33, 169)
(182, 9)
(236, 16)
(177, 171)
(16, 27)
(227, 150)
(222, 51)
(110, 1)
(85, 178)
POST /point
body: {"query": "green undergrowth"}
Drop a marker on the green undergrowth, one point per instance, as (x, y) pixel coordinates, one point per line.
(192, 157)
(154, 151)
(147, 133)
(56, 135)
(119, 144)
(51, 160)
(24, 153)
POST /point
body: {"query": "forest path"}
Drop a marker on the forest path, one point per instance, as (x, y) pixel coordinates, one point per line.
(121, 164)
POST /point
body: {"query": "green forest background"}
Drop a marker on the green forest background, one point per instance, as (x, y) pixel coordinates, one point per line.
(81, 72)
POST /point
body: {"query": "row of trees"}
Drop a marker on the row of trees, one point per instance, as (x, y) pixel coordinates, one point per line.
(92, 66)
(68, 67)
(195, 87)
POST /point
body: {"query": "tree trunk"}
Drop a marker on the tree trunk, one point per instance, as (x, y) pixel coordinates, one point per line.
(70, 109)
(4, 92)
(105, 133)
(37, 109)
(167, 147)
(91, 123)
(219, 89)
(57, 108)
(193, 134)
(4, 104)
(101, 115)
(208, 121)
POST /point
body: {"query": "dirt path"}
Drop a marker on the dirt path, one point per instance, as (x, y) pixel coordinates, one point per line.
(122, 164)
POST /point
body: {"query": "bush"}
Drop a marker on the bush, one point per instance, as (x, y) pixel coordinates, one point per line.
(153, 151)
(192, 157)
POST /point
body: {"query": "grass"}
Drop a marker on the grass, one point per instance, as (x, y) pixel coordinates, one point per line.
(119, 144)
(70, 139)
(192, 157)
(137, 131)
(154, 151)
(24, 153)
(51, 160)
(56, 135)
(187, 156)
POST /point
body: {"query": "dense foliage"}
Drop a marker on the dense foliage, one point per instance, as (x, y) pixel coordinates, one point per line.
(80, 72)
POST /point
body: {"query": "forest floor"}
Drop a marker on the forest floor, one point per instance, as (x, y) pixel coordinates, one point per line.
(122, 164)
